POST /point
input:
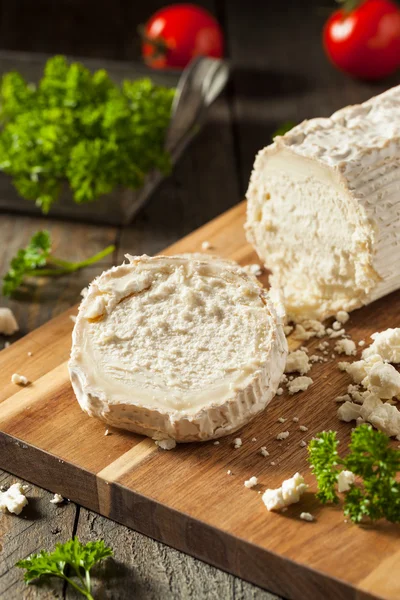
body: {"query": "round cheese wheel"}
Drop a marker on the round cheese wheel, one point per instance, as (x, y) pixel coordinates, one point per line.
(182, 347)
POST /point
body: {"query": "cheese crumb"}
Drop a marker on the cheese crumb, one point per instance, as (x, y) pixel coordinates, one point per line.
(336, 325)
(216, 443)
(251, 482)
(303, 444)
(237, 442)
(386, 344)
(106, 432)
(253, 269)
(299, 384)
(263, 451)
(8, 322)
(13, 499)
(167, 444)
(345, 480)
(229, 472)
(349, 411)
(254, 439)
(19, 379)
(383, 380)
(342, 316)
(289, 493)
(206, 245)
(306, 516)
(361, 343)
(295, 419)
(281, 420)
(344, 398)
(282, 435)
(336, 334)
(297, 361)
(279, 391)
(287, 330)
(57, 499)
(303, 428)
(346, 346)
(272, 463)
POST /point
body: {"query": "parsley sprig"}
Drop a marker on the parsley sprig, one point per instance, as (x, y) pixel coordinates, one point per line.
(79, 557)
(36, 260)
(372, 460)
(81, 128)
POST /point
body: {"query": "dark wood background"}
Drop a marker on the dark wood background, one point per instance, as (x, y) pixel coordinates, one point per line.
(279, 73)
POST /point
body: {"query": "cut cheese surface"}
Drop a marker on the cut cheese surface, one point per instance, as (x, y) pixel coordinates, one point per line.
(182, 347)
(324, 209)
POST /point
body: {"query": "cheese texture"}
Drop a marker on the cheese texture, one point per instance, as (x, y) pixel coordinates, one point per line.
(290, 492)
(184, 348)
(13, 500)
(324, 209)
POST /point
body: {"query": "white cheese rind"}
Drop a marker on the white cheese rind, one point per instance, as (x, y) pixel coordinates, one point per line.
(324, 209)
(159, 402)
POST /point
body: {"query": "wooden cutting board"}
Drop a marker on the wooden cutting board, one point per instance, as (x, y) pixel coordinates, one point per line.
(184, 497)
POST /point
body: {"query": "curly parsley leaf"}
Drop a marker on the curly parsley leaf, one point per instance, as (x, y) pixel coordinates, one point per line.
(324, 458)
(79, 557)
(36, 260)
(374, 462)
(80, 127)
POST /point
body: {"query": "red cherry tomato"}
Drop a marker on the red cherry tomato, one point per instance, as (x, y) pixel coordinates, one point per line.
(365, 42)
(174, 35)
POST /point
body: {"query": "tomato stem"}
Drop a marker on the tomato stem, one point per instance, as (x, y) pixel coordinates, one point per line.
(350, 5)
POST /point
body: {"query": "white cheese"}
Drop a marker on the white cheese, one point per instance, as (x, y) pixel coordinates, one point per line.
(306, 516)
(299, 384)
(289, 493)
(303, 428)
(13, 499)
(345, 480)
(386, 344)
(167, 444)
(346, 346)
(283, 435)
(57, 499)
(206, 245)
(185, 347)
(254, 269)
(297, 361)
(349, 411)
(237, 443)
(383, 416)
(19, 379)
(323, 209)
(8, 323)
(263, 451)
(250, 483)
(342, 316)
(383, 380)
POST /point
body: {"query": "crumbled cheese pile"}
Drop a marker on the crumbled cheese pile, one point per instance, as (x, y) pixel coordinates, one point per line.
(13, 499)
(289, 493)
(375, 380)
(8, 322)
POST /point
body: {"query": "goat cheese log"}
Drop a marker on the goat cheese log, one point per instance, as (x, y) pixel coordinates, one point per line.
(324, 209)
(184, 347)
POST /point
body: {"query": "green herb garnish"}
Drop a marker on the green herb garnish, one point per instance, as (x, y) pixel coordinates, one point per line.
(35, 260)
(372, 460)
(79, 557)
(81, 128)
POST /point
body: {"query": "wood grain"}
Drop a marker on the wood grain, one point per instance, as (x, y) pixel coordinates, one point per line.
(185, 498)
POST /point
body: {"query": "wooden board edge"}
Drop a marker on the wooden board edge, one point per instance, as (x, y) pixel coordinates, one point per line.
(184, 533)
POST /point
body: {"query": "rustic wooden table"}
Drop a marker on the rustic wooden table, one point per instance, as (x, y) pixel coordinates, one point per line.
(279, 74)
